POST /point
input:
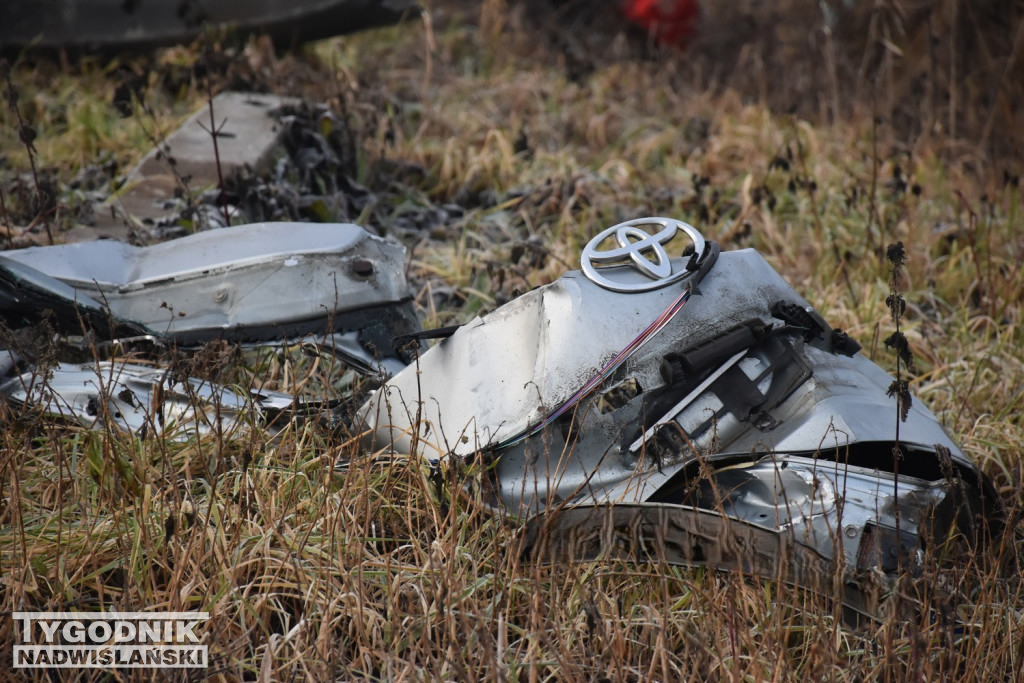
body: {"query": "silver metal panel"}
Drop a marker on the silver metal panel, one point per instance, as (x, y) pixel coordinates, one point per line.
(267, 273)
(502, 373)
(142, 400)
(498, 374)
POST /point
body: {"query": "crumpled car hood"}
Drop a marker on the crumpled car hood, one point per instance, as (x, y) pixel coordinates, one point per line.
(716, 421)
(502, 372)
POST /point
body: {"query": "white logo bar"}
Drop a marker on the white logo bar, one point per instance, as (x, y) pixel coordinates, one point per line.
(135, 640)
(103, 656)
(190, 616)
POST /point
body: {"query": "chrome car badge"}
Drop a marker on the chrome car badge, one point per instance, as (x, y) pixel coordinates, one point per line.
(641, 250)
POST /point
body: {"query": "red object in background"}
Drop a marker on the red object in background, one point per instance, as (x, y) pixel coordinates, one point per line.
(668, 21)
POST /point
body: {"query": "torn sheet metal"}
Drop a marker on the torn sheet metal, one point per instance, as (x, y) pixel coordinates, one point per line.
(656, 533)
(139, 399)
(500, 374)
(335, 284)
(722, 391)
(28, 296)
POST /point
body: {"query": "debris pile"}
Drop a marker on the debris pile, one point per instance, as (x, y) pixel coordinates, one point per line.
(687, 407)
(627, 408)
(332, 287)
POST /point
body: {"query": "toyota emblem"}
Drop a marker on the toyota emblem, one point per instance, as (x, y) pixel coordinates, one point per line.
(640, 249)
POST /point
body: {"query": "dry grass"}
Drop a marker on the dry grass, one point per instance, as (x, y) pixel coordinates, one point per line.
(379, 572)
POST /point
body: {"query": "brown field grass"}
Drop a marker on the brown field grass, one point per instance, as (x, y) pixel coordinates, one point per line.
(816, 147)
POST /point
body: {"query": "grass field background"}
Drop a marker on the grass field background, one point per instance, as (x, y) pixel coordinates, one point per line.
(508, 134)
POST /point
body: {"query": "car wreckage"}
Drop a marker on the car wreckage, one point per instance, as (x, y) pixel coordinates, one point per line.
(334, 288)
(694, 410)
(691, 409)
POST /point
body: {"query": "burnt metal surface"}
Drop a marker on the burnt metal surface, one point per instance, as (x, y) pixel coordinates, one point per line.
(119, 24)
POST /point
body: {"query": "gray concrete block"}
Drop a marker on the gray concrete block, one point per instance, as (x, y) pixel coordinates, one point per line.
(250, 136)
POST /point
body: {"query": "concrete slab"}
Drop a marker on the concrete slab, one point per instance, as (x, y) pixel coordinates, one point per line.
(250, 137)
